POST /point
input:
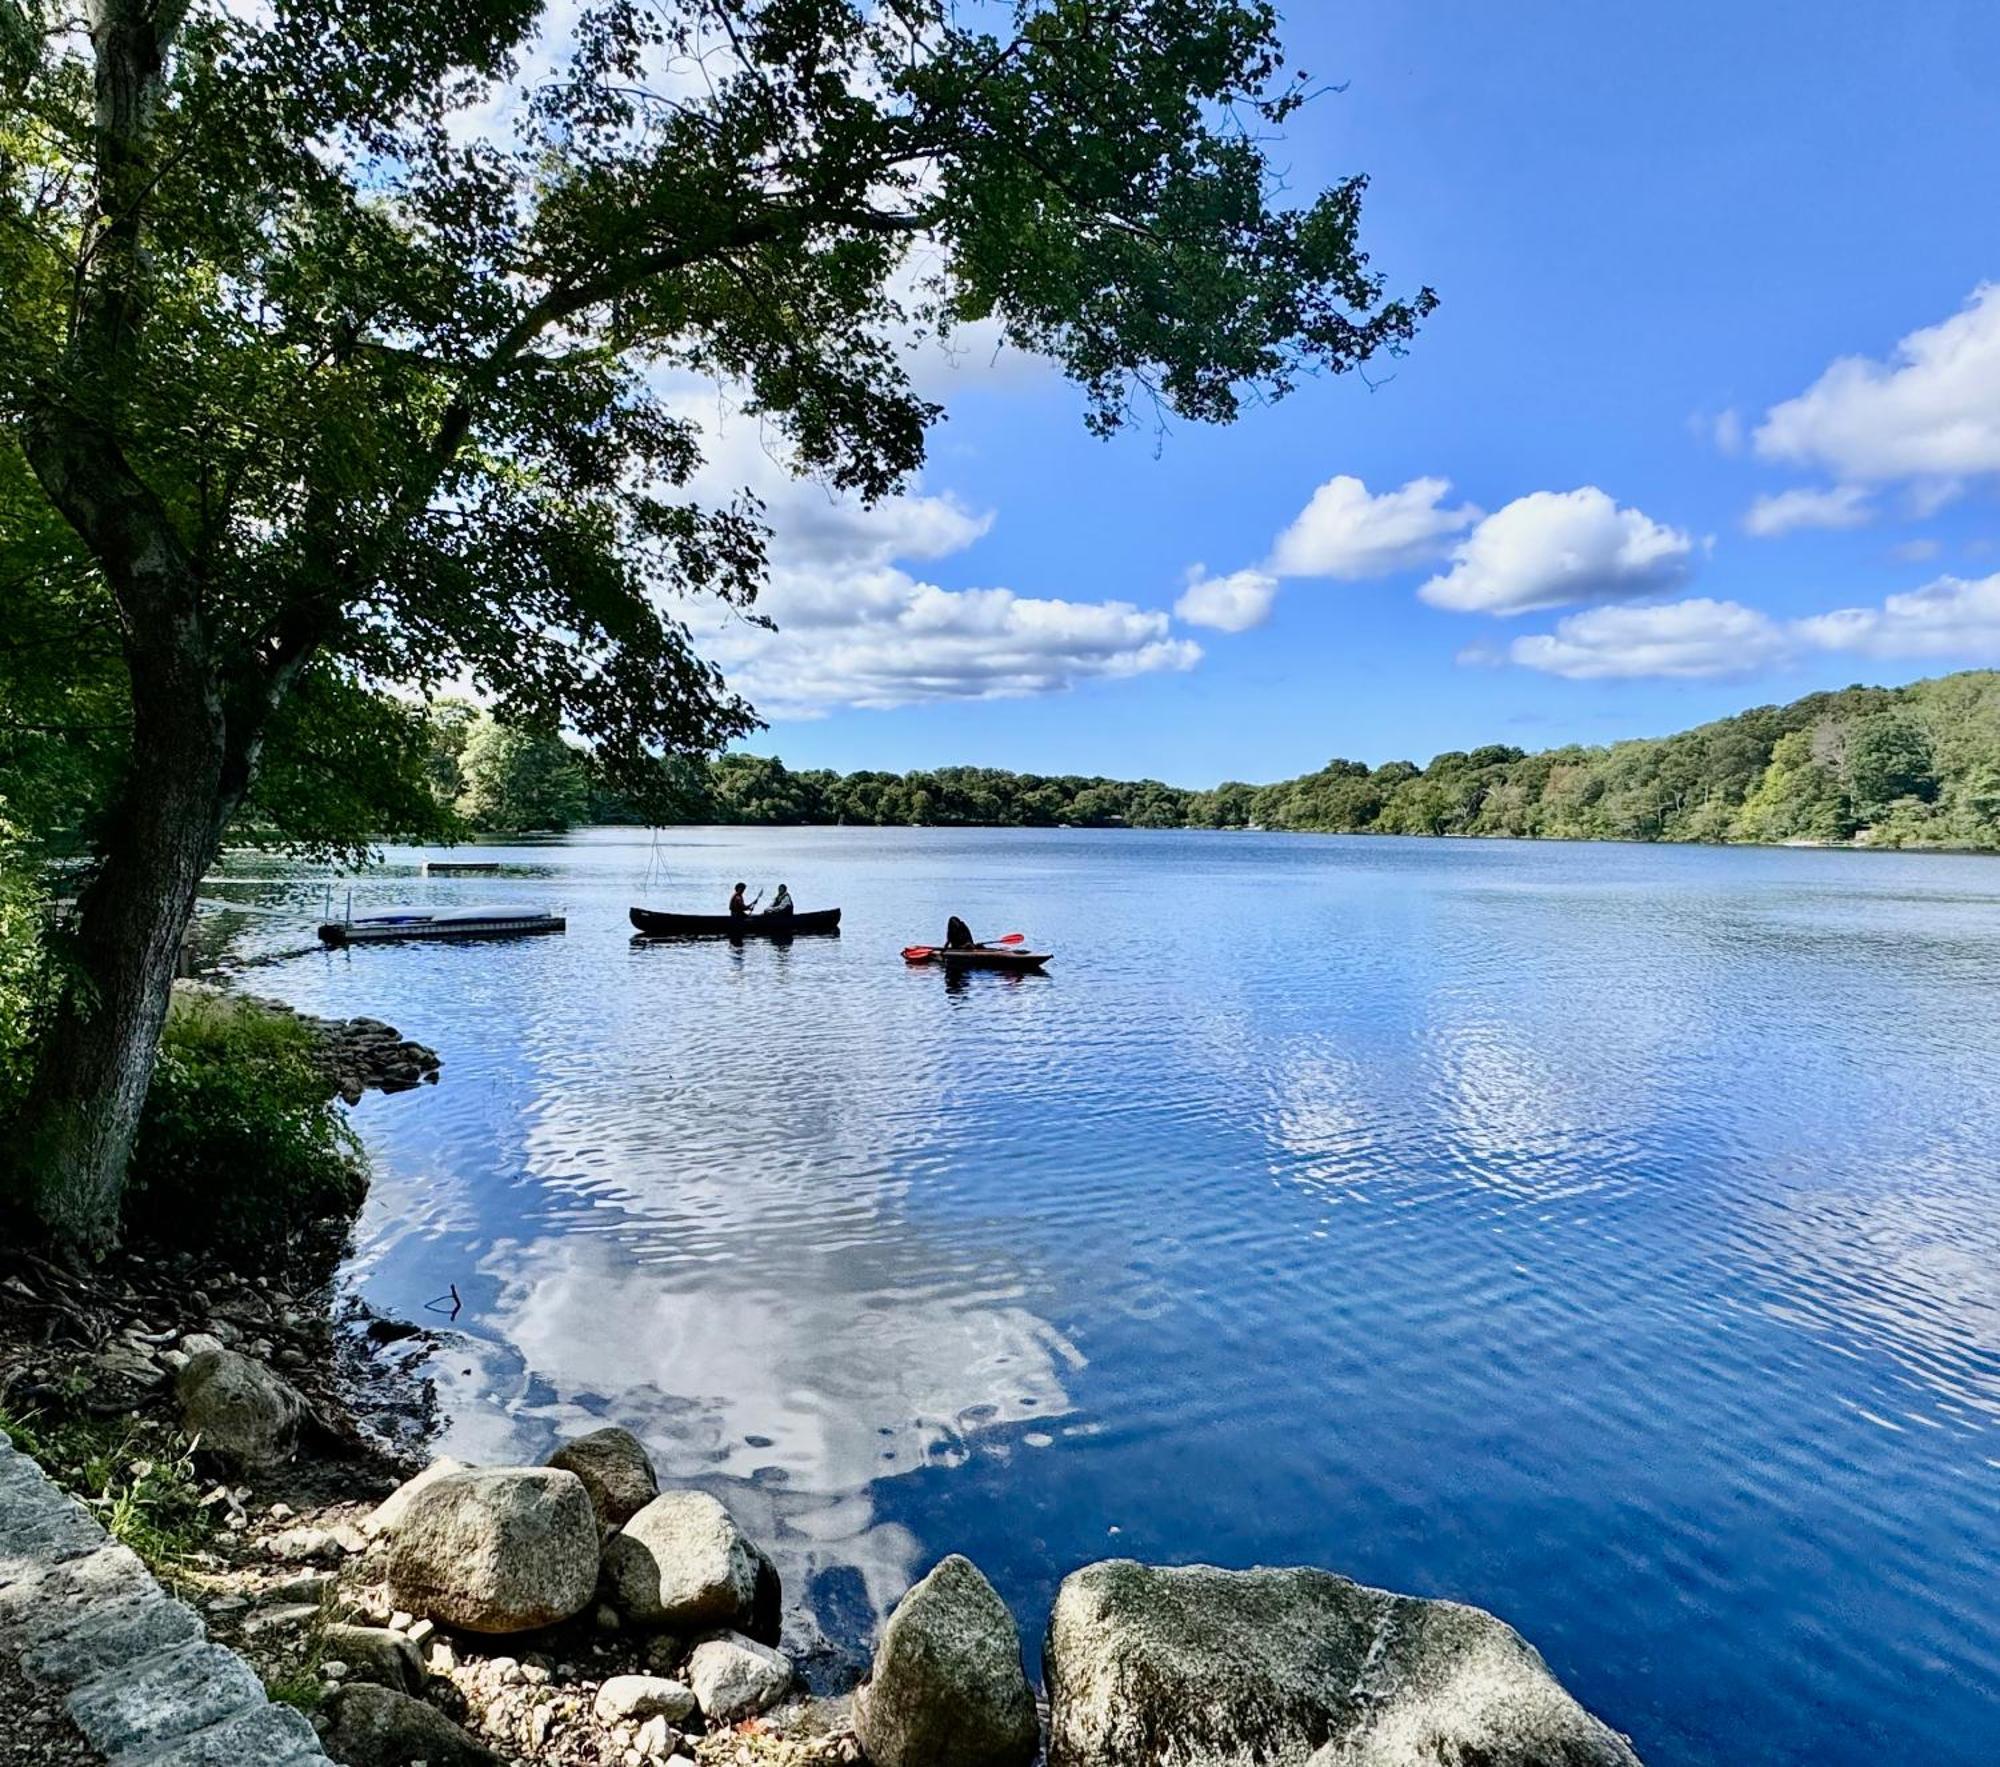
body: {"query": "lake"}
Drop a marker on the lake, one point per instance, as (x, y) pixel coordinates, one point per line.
(1606, 1235)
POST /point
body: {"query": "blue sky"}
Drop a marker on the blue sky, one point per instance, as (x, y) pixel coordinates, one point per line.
(1657, 232)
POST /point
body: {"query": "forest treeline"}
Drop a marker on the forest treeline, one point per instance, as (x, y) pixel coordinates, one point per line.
(1902, 766)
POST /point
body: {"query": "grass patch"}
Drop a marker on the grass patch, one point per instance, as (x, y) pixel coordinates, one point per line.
(137, 1478)
(300, 1688)
(299, 1680)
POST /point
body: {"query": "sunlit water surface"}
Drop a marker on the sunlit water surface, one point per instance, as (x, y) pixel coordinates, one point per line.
(1606, 1235)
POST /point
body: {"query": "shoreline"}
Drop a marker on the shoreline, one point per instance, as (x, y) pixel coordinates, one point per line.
(551, 836)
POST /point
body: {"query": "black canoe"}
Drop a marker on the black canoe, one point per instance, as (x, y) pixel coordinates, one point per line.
(978, 956)
(734, 926)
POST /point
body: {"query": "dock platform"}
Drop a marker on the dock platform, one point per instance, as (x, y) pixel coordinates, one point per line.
(397, 929)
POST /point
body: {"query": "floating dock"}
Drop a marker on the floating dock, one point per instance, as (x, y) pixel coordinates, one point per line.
(480, 923)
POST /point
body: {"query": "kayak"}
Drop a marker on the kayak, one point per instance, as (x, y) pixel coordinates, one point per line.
(657, 925)
(978, 956)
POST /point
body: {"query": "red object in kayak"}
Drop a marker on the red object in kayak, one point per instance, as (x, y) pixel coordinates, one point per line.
(976, 956)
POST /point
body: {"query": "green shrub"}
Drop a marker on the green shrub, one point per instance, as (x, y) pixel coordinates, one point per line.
(241, 1151)
(20, 964)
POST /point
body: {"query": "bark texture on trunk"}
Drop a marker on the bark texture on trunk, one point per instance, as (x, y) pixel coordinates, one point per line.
(96, 1061)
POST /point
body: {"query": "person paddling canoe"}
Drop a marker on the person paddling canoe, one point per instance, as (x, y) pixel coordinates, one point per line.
(957, 935)
(737, 905)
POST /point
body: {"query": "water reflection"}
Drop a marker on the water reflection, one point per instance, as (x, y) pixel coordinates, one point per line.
(800, 1372)
(1608, 1236)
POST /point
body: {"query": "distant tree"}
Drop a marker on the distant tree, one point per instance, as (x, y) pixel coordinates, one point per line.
(1800, 796)
(1888, 757)
(521, 780)
(451, 724)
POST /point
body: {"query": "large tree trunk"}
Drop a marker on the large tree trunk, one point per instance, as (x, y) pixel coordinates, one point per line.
(95, 1063)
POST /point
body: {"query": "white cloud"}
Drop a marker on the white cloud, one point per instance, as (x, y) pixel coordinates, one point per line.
(1233, 603)
(1683, 639)
(1782, 512)
(1931, 412)
(1917, 551)
(855, 628)
(1927, 496)
(1346, 533)
(811, 524)
(1554, 547)
(882, 638)
(1728, 432)
(1954, 616)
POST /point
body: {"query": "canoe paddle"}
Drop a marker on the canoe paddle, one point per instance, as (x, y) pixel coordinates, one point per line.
(915, 953)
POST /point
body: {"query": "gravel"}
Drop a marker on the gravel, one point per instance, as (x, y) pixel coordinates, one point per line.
(37, 1731)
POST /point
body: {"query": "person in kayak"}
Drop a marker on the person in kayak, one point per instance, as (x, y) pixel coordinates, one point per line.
(737, 906)
(957, 935)
(781, 903)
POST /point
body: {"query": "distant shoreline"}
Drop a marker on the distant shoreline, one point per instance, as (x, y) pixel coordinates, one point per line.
(505, 837)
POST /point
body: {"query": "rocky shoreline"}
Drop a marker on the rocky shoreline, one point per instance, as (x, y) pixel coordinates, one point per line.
(575, 1614)
(357, 1055)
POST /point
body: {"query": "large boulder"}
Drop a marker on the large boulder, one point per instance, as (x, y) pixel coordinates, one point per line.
(387, 1516)
(734, 1677)
(947, 1689)
(1198, 1667)
(615, 1470)
(239, 1408)
(683, 1562)
(375, 1727)
(501, 1550)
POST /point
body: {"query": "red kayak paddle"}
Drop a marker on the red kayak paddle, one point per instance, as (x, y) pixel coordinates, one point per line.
(917, 953)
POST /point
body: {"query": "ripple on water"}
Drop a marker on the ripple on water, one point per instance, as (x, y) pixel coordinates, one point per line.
(1607, 1235)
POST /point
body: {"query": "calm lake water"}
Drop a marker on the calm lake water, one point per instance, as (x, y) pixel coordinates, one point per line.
(1609, 1236)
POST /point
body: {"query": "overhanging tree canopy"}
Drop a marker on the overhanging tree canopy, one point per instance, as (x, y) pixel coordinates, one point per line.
(334, 331)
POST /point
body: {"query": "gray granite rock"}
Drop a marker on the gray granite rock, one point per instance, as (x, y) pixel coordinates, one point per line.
(239, 1408)
(377, 1727)
(52, 1595)
(1197, 1667)
(507, 1549)
(164, 1698)
(39, 1527)
(683, 1562)
(110, 1634)
(375, 1654)
(734, 1677)
(629, 1698)
(947, 1688)
(388, 1515)
(270, 1736)
(615, 1469)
